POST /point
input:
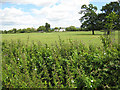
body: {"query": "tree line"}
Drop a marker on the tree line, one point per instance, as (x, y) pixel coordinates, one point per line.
(45, 28)
(41, 29)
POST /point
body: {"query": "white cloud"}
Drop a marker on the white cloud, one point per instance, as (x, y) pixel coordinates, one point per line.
(12, 17)
(16, 16)
(62, 15)
(35, 2)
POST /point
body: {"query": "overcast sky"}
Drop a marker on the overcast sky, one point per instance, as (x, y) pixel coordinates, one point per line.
(34, 13)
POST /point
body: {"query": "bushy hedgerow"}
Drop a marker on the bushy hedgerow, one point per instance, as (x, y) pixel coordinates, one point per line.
(64, 65)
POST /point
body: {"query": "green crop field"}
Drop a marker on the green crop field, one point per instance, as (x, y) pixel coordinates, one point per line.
(50, 38)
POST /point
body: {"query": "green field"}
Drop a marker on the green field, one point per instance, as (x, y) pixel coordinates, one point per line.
(50, 38)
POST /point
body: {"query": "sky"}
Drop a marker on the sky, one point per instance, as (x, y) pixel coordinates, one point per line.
(34, 13)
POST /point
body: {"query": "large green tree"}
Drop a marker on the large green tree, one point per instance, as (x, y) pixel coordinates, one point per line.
(41, 28)
(89, 18)
(28, 30)
(100, 21)
(71, 28)
(14, 30)
(112, 6)
(47, 26)
(111, 18)
(108, 9)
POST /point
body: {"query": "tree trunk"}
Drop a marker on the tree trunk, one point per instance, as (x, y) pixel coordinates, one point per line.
(93, 32)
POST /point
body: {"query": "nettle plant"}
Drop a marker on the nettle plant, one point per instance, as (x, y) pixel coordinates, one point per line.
(63, 65)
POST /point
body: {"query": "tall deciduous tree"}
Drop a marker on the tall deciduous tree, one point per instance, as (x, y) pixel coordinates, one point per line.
(47, 26)
(108, 9)
(111, 18)
(112, 6)
(14, 30)
(71, 28)
(89, 18)
(41, 28)
(100, 21)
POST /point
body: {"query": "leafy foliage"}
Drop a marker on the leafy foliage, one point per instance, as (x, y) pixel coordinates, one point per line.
(72, 28)
(64, 65)
(111, 18)
(89, 18)
(41, 28)
(110, 8)
(47, 26)
(92, 21)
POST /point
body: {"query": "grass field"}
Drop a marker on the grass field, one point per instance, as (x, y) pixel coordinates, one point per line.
(50, 38)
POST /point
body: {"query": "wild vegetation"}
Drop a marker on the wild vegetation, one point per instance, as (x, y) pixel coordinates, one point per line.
(69, 65)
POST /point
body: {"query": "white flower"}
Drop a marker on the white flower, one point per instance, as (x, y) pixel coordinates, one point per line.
(91, 80)
(18, 59)
(91, 86)
(72, 81)
(81, 55)
(104, 53)
(35, 69)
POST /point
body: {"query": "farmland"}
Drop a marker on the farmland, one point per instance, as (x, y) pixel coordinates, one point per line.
(50, 38)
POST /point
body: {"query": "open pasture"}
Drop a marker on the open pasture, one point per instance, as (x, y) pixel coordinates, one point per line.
(50, 38)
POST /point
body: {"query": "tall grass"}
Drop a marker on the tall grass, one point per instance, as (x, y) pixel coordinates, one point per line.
(63, 65)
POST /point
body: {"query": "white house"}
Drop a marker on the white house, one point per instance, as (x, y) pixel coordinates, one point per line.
(61, 30)
(56, 30)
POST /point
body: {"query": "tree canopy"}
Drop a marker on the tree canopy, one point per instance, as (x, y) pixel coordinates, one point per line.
(108, 9)
(41, 28)
(99, 21)
(89, 18)
(71, 28)
(111, 18)
(47, 26)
